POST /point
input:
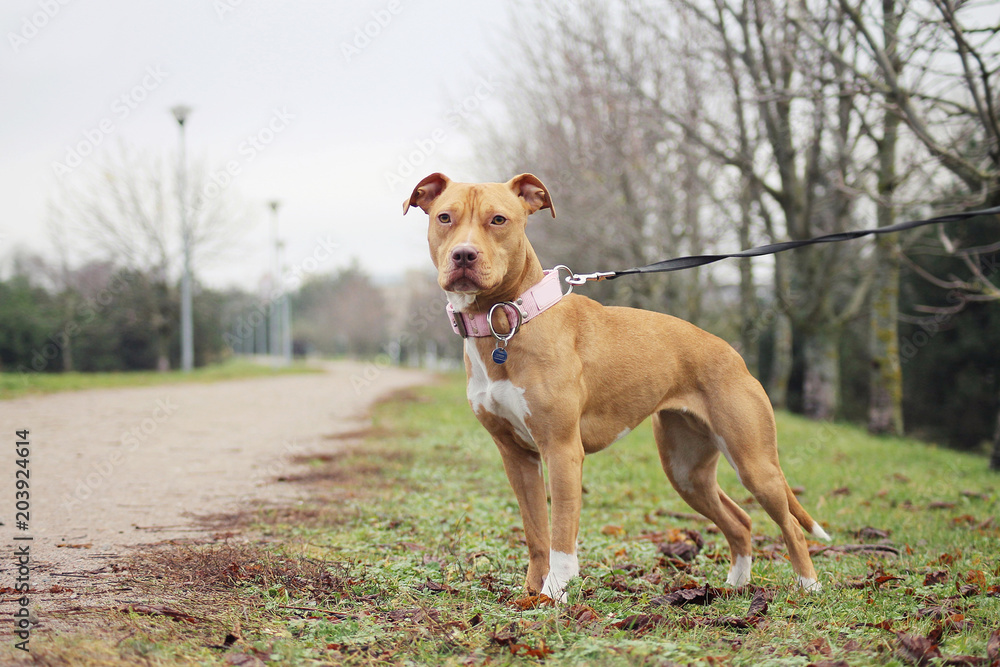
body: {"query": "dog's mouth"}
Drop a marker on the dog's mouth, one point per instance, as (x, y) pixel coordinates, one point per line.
(464, 281)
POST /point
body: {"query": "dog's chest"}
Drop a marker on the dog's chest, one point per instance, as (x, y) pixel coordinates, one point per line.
(500, 398)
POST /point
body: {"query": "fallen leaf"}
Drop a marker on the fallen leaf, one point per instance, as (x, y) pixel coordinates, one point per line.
(916, 649)
(871, 533)
(539, 652)
(818, 645)
(993, 646)
(798, 490)
(685, 551)
(75, 546)
(938, 611)
(935, 578)
(967, 590)
(613, 530)
(841, 491)
(976, 577)
(940, 505)
(683, 596)
(948, 558)
(829, 663)
(533, 601)
(434, 587)
(884, 579)
(881, 625)
(639, 622)
(56, 588)
(758, 605)
(507, 636)
(582, 613)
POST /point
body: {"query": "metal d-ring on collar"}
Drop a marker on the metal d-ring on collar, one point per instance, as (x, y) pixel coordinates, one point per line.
(569, 278)
(503, 338)
(524, 313)
(500, 351)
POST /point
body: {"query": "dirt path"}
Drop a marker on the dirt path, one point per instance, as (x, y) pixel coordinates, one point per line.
(114, 468)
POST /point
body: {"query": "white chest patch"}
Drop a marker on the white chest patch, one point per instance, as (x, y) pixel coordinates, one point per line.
(501, 398)
(460, 301)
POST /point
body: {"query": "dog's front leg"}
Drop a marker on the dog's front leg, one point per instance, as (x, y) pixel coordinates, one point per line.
(565, 464)
(524, 471)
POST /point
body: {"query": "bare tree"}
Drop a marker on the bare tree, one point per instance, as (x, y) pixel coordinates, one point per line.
(122, 207)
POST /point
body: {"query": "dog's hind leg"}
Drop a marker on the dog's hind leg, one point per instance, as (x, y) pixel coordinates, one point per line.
(690, 458)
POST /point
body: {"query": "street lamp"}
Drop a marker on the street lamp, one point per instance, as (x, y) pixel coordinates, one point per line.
(276, 306)
(187, 321)
(286, 314)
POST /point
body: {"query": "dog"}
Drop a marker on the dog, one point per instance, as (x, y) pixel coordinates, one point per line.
(555, 377)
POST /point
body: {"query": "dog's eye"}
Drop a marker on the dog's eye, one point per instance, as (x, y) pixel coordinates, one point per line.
(444, 219)
(498, 220)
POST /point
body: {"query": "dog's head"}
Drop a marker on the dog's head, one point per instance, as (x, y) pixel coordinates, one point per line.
(476, 230)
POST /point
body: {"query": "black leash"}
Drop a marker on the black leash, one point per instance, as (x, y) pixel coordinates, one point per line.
(680, 263)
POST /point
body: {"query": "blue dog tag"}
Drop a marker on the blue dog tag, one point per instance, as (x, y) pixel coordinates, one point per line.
(499, 355)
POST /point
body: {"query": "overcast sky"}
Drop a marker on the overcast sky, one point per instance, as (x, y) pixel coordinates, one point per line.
(340, 96)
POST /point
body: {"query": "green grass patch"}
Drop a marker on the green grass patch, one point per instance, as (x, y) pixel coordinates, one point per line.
(412, 553)
(431, 535)
(15, 384)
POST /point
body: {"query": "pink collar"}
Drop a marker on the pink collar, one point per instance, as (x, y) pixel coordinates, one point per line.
(538, 299)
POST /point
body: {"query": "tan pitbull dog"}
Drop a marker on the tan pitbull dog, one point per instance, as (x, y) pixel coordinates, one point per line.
(581, 375)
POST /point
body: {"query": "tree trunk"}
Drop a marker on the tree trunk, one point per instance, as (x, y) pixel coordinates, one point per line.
(885, 405)
(781, 362)
(995, 458)
(821, 385)
(749, 338)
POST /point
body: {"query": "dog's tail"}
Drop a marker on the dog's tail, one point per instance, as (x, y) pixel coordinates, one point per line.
(808, 524)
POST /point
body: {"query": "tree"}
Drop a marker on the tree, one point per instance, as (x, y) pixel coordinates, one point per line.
(341, 314)
(123, 206)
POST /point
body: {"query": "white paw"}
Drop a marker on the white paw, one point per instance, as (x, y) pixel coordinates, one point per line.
(810, 585)
(820, 534)
(739, 573)
(554, 589)
(562, 568)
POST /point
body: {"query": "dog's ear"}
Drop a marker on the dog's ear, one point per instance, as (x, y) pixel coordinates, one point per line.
(426, 192)
(532, 192)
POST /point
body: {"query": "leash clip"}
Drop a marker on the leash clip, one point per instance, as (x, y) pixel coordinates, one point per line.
(582, 278)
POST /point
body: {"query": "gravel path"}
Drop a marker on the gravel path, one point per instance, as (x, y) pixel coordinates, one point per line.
(114, 468)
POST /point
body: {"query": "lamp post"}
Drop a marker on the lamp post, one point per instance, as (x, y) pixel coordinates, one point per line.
(187, 321)
(274, 347)
(286, 314)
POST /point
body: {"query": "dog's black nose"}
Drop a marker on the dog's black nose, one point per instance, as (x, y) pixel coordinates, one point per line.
(464, 256)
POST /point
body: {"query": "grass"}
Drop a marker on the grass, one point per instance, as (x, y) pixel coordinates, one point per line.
(16, 384)
(412, 553)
